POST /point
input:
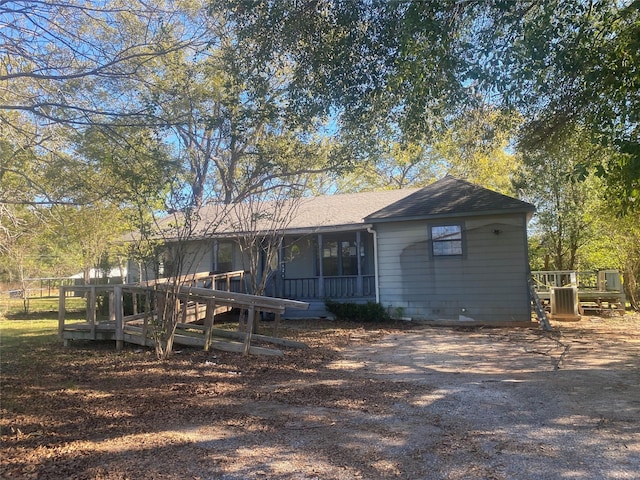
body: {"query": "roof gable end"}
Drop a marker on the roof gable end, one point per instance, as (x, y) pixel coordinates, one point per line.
(449, 196)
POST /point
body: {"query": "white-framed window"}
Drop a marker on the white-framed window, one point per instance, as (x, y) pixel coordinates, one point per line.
(224, 253)
(446, 240)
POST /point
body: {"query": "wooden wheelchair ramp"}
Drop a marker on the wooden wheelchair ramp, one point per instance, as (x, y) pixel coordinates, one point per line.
(197, 311)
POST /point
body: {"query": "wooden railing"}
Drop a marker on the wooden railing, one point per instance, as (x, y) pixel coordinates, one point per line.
(230, 281)
(341, 287)
(332, 287)
(301, 288)
(603, 280)
(594, 289)
(227, 281)
(197, 301)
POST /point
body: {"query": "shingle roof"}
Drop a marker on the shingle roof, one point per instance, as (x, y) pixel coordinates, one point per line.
(445, 198)
(448, 197)
(344, 209)
(310, 214)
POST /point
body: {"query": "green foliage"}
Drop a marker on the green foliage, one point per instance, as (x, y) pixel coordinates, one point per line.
(357, 312)
(27, 333)
(476, 147)
(413, 66)
(566, 197)
(615, 244)
(375, 63)
(570, 64)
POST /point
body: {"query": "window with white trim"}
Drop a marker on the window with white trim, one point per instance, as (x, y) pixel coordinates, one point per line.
(446, 240)
(224, 257)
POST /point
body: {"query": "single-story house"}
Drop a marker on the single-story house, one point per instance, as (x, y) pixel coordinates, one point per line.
(449, 251)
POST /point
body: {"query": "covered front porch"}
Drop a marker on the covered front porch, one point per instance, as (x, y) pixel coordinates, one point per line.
(329, 265)
(311, 266)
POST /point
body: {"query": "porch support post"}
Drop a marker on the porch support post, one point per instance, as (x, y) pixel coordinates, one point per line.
(359, 287)
(279, 278)
(215, 258)
(374, 233)
(320, 270)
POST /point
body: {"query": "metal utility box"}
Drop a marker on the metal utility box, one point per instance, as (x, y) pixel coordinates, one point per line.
(564, 303)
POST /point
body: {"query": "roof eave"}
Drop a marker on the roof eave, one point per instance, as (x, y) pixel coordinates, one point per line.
(289, 231)
(486, 213)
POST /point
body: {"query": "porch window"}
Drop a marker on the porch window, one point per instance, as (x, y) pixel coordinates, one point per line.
(446, 240)
(339, 257)
(224, 260)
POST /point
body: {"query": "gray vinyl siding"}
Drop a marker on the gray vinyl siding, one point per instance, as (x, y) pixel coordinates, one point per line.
(487, 283)
(198, 257)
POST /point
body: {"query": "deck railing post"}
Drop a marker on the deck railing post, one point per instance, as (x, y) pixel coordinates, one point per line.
(134, 297)
(91, 311)
(148, 314)
(277, 323)
(247, 339)
(119, 314)
(112, 309)
(208, 323)
(61, 311)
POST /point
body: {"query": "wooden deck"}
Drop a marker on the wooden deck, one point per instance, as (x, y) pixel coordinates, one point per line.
(596, 291)
(197, 304)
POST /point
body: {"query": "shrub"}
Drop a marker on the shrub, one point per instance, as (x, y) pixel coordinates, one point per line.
(358, 312)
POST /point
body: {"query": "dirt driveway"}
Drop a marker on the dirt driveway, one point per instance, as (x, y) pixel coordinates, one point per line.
(513, 404)
(370, 403)
(485, 404)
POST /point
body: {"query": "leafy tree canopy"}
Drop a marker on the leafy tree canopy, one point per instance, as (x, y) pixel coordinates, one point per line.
(412, 64)
(566, 64)
(371, 63)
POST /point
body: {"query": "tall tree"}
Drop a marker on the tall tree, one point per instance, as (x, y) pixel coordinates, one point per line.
(371, 63)
(476, 146)
(561, 63)
(567, 64)
(565, 197)
(65, 63)
(391, 166)
(228, 119)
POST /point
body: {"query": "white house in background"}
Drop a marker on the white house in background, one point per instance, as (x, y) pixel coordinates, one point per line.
(115, 275)
(449, 251)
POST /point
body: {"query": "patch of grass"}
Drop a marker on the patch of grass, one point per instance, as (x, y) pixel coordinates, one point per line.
(37, 328)
(15, 334)
(14, 307)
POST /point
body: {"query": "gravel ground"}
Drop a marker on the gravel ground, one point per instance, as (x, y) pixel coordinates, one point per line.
(362, 403)
(517, 404)
(468, 404)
